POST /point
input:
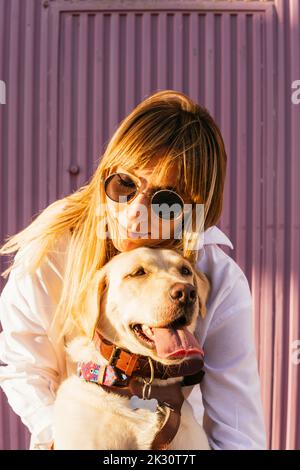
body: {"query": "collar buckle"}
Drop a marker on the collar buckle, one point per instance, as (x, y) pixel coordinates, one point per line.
(114, 356)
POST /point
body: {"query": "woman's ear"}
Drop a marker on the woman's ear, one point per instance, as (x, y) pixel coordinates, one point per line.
(95, 294)
(203, 290)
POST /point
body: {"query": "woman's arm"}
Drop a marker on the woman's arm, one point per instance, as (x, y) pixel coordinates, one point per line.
(31, 374)
(233, 417)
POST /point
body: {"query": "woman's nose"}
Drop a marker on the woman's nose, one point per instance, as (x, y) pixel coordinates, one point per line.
(139, 207)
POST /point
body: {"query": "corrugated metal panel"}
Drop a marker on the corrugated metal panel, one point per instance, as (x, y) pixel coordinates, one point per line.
(73, 71)
(286, 223)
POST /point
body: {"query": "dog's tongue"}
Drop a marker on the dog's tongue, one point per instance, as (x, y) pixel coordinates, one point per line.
(172, 343)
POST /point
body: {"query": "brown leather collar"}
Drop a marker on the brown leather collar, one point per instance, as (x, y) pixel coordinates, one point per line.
(138, 366)
(170, 397)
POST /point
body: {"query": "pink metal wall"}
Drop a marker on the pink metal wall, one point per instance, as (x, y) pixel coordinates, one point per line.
(74, 69)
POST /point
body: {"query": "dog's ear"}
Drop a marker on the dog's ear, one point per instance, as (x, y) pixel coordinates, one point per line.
(203, 289)
(95, 294)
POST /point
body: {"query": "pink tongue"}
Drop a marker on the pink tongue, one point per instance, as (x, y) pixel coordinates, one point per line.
(171, 342)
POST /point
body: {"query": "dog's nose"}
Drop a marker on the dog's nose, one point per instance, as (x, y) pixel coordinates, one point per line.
(184, 294)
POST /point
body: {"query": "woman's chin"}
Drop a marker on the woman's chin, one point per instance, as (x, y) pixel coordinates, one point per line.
(129, 244)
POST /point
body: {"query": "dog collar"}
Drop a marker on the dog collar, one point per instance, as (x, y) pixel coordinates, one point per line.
(169, 397)
(119, 377)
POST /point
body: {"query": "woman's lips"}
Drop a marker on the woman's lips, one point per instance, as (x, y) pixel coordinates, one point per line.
(137, 235)
(127, 233)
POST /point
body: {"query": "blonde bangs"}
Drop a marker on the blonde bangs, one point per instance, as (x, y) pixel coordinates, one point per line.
(136, 151)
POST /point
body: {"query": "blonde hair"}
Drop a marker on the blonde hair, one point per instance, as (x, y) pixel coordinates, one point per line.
(167, 120)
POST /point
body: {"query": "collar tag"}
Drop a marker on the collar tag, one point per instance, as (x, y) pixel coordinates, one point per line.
(137, 403)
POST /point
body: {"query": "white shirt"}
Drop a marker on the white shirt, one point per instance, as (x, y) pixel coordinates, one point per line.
(36, 363)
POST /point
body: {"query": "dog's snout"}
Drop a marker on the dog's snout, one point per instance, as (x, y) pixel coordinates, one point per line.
(183, 294)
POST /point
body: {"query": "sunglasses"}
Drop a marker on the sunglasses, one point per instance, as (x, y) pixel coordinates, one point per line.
(123, 188)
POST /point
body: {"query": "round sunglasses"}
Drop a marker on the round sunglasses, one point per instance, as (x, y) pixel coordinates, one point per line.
(123, 188)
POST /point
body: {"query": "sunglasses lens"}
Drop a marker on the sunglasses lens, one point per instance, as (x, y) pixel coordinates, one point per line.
(120, 187)
(167, 204)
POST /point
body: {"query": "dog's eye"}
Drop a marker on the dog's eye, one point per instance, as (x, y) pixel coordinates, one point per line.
(138, 272)
(185, 271)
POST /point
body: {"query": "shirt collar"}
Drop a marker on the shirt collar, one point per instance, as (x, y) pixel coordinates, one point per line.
(213, 235)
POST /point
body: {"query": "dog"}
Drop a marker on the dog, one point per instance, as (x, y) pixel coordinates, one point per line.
(144, 304)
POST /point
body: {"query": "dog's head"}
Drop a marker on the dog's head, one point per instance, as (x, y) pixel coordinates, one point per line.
(147, 301)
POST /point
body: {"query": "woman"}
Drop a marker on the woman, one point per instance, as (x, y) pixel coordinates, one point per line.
(169, 152)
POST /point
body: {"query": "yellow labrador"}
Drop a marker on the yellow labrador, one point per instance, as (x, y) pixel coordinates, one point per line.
(146, 302)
